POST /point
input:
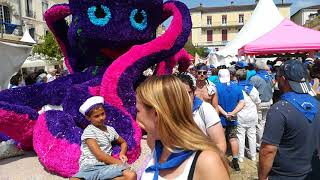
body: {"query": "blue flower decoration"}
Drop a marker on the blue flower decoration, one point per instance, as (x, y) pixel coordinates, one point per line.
(138, 19)
(99, 16)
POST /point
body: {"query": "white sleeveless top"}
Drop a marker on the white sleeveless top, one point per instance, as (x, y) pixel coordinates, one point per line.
(183, 176)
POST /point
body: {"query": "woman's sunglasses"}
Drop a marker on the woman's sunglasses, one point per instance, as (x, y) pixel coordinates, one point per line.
(202, 72)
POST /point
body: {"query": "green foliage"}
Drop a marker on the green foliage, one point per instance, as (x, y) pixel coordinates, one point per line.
(191, 49)
(48, 47)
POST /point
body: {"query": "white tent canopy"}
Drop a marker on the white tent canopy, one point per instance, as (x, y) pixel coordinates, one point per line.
(11, 59)
(265, 17)
(34, 63)
(27, 37)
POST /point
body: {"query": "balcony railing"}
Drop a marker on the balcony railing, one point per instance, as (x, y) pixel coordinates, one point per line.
(215, 43)
(11, 29)
(31, 14)
(220, 24)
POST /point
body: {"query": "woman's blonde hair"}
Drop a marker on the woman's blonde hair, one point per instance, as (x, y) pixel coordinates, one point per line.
(177, 129)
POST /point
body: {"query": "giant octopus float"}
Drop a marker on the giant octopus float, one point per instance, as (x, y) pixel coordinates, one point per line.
(107, 46)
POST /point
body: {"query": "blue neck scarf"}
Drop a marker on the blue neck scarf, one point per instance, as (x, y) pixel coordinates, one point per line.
(196, 103)
(246, 86)
(174, 160)
(250, 74)
(264, 75)
(305, 103)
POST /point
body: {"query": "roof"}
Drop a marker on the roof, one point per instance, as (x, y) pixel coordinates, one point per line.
(280, 40)
(231, 8)
(310, 7)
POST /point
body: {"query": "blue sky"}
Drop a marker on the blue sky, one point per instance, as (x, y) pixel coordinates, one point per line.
(296, 4)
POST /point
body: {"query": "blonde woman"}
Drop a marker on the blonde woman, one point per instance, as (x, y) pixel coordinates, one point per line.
(181, 150)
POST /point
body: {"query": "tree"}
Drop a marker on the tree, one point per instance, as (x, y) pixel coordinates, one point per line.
(48, 47)
(191, 49)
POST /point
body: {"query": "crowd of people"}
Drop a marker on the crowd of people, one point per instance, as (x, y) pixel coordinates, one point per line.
(190, 118)
(35, 77)
(194, 121)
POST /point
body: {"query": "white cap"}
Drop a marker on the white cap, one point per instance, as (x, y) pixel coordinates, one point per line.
(224, 75)
(90, 103)
(278, 63)
(310, 59)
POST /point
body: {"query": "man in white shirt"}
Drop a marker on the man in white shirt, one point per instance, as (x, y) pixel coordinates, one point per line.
(248, 116)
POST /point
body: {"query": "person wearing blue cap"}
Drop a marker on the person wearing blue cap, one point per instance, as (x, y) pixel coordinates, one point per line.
(241, 65)
(206, 90)
(292, 128)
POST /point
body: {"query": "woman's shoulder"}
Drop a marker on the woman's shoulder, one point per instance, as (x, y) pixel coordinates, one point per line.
(208, 157)
(210, 164)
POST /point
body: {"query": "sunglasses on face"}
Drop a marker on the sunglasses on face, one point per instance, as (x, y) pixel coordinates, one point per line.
(202, 72)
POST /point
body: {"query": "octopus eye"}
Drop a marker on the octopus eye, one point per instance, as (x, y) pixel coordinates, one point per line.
(138, 19)
(99, 15)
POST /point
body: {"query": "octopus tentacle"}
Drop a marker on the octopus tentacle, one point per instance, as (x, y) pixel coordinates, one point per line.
(58, 152)
(16, 120)
(124, 73)
(182, 58)
(55, 19)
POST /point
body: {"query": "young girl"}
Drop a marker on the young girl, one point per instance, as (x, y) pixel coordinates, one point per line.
(181, 150)
(96, 161)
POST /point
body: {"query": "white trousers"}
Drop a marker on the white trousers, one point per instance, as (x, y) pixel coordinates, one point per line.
(250, 132)
(262, 116)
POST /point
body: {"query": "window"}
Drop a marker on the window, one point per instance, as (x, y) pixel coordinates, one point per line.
(209, 35)
(32, 32)
(224, 19)
(209, 20)
(241, 18)
(5, 14)
(224, 35)
(29, 10)
(44, 6)
(217, 49)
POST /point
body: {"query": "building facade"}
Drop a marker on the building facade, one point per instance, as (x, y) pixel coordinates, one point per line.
(18, 15)
(304, 15)
(314, 21)
(214, 27)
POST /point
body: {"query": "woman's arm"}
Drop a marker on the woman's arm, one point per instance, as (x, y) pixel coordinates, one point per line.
(100, 155)
(210, 166)
(216, 134)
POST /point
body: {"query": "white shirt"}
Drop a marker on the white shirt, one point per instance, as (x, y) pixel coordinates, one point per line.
(103, 139)
(50, 77)
(248, 116)
(211, 117)
(183, 176)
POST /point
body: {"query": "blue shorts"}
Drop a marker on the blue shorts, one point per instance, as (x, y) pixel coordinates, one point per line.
(100, 172)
